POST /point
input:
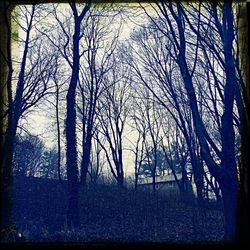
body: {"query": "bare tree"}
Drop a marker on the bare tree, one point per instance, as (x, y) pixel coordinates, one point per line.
(112, 115)
(175, 16)
(32, 78)
(96, 162)
(153, 121)
(71, 52)
(156, 70)
(58, 131)
(70, 123)
(59, 96)
(28, 155)
(141, 127)
(176, 154)
(100, 42)
(7, 140)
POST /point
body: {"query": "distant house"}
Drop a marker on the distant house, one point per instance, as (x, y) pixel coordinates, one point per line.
(161, 182)
(165, 183)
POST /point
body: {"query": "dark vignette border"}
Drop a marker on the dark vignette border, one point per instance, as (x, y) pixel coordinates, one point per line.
(243, 216)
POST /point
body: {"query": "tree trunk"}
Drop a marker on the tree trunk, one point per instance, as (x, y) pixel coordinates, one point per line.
(228, 167)
(198, 177)
(70, 124)
(85, 161)
(184, 183)
(71, 162)
(71, 152)
(229, 183)
(120, 181)
(87, 144)
(230, 197)
(7, 146)
(7, 180)
(154, 179)
(243, 211)
(58, 135)
(136, 181)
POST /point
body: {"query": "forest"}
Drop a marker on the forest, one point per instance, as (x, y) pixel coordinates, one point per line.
(124, 122)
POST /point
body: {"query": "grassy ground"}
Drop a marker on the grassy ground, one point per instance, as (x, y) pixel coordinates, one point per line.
(109, 214)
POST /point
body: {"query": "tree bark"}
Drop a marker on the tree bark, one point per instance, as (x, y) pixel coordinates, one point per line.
(85, 160)
(243, 211)
(7, 144)
(58, 135)
(226, 175)
(70, 124)
(71, 152)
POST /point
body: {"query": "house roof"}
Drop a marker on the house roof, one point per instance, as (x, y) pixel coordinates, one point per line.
(159, 179)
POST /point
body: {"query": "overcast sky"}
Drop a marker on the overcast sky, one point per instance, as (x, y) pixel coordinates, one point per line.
(39, 121)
